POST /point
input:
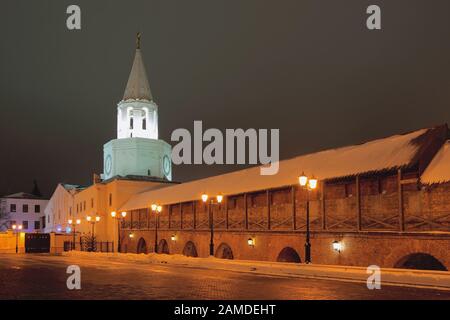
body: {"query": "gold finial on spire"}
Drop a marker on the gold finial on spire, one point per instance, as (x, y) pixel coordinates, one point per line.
(138, 40)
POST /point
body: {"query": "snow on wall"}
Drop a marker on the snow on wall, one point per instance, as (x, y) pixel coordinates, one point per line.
(388, 153)
(438, 171)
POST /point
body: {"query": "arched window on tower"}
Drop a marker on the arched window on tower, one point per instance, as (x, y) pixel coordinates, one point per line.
(144, 124)
(131, 122)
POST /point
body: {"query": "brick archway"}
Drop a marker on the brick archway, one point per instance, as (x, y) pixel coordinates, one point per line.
(163, 246)
(421, 261)
(190, 250)
(141, 246)
(288, 254)
(224, 252)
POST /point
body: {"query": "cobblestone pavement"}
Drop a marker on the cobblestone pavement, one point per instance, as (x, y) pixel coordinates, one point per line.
(44, 277)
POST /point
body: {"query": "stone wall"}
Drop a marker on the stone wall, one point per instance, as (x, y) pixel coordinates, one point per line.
(378, 220)
(358, 249)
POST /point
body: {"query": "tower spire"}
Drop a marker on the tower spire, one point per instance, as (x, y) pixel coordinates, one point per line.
(138, 40)
(137, 85)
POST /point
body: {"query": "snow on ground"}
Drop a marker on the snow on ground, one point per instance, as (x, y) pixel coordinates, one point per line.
(400, 277)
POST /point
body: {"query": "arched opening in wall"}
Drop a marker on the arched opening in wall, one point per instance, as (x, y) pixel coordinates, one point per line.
(163, 247)
(141, 246)
(224, 252)
(190, 250)
(421, 261)
(288, 255)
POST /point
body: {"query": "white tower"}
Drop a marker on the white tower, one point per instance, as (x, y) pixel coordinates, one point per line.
(137, 113)
(137, 150)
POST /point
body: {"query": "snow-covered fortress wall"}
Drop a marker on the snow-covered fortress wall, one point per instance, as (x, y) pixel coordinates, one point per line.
(392, 216)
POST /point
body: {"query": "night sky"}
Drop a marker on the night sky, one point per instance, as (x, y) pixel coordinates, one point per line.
(310, 68)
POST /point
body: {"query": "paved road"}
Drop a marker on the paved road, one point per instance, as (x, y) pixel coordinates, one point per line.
(44, 277)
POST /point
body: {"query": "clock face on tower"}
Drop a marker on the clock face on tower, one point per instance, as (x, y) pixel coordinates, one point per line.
(108, 164)
(166, 165)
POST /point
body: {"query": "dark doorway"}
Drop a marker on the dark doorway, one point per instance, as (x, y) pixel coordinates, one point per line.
(37, 242)
(224, 252)
(163, 247)
(141, 246)
(288, 255)
(420, 261)
(190, 250)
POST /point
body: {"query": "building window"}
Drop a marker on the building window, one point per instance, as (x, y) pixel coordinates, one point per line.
(25, 208)
(48, 219)
(110, 199)
(92, 202)
(70, 211)
(37, 225)
(37, 208)
(84, 205)
(13, 207)
(144, 124)
(131, 123)
(25, 225)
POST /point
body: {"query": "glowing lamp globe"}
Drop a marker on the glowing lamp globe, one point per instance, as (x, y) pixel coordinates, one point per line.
(302, 180)
(312, 183)
(337, 246)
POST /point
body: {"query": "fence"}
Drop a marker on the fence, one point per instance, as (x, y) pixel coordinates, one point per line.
(90, 246)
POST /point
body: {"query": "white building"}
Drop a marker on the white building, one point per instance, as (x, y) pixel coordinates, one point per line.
(23, 209)
(60, 207)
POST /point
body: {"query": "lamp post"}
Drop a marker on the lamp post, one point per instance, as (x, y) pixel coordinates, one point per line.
(17, 231)
(309, 184)
(74, 224)
(123, 214)
(156, 209)
(218, 200)
(93, 222)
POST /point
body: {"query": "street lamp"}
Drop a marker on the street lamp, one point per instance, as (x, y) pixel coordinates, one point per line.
(73, 224)
(118, 218)
(156, 209)
(17, 231)
(309, 184)
(337, 246)
(218, 201)
(93, 222)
